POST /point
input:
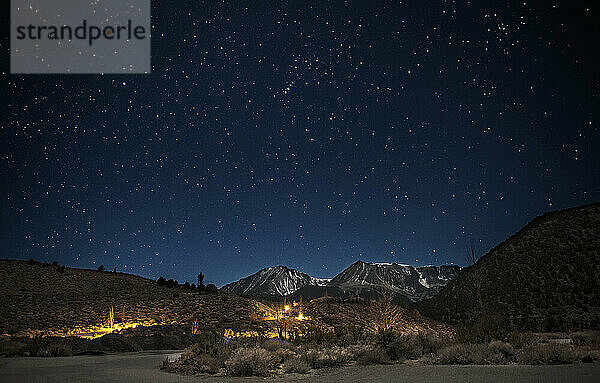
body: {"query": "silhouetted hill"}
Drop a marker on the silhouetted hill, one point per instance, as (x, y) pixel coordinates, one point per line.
(544, 277)
(38, 297)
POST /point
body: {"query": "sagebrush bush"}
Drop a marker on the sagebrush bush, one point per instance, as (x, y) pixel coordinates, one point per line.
(588, 338)
(486, 329)
(297, 365)
(249, 362)
(522, 339)
(318, 335)
(47, 347)
(332, 357)
(273, 344)
(496, 352)
(370, 356)
(281, 355)
(10, 346)
(211, 343)
(550, 353)
(431, 344)
(401, 346)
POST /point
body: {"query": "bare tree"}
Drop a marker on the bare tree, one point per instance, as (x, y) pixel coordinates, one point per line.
(473, 256)
(384, 314)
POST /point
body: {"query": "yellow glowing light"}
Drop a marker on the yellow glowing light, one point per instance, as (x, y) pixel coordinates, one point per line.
(286, 307)
(230, 334)
(98, 331)
(301, 317)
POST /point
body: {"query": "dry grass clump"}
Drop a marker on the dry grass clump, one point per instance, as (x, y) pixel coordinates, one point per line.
(296, 365)
(335, 356)
(371, 355)
(402, 346)
(48, 347)
(281, 355)
(586, 338)
(10, 346)
(498, 352)
(495, 352)
(555, 353)
(250, 362)
(274, 344)
(208, 355)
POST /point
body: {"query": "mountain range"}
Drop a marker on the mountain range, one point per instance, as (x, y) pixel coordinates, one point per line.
(361, 279)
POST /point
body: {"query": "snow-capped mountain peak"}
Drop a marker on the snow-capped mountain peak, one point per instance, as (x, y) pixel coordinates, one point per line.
(359, 279)
(278, 281)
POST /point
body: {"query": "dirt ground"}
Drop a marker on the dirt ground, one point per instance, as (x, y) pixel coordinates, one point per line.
(144, 367)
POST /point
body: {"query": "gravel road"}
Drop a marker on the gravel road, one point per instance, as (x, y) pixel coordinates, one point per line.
(144, 367)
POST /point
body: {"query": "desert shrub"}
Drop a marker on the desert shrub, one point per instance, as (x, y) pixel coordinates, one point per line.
(588, 338)
(347, 335)
(10, 346)
(502, 351)
(249, 362)
(47, 347)
(550, 353)
(496, 352)
(317, 335)
(486, 329)
(331, 357)
(161, 281)
(281, 355)
(372, 356)
(431, 344)
(101, 268)
(211, 343)
(115, 342)
(522, 339)
(297, 365)
(273, 344)
(207, 355)
(456, 354)
(31, 261)
(398, 346)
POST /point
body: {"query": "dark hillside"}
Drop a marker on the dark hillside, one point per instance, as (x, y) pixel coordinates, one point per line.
(544, 277)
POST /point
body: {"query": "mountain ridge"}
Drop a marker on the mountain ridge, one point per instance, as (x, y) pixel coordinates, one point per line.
(361, 278)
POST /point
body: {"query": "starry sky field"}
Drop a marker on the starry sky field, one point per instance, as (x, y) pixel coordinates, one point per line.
(306, 133)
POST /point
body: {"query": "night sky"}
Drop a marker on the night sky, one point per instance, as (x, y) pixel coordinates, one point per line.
(309, 134)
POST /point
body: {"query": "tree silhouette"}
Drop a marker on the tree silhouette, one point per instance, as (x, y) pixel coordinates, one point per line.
(201, 286)
(473, 256)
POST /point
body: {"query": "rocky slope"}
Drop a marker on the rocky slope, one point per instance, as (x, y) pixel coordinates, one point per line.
(544, 277)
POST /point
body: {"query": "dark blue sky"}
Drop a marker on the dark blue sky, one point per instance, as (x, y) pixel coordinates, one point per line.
(310, 134)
